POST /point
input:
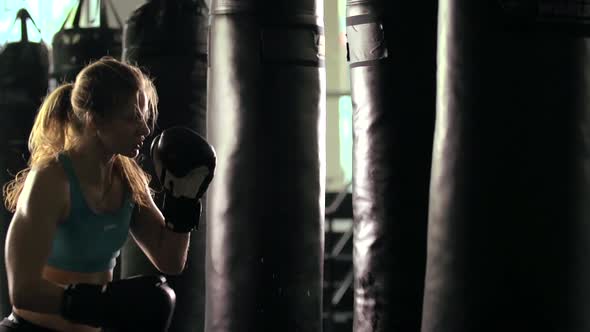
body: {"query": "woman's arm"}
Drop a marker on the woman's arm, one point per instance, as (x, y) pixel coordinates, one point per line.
(29, 239)
(184, 162)
(167, 250)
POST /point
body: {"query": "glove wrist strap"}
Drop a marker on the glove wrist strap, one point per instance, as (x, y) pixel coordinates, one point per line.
(181, 214)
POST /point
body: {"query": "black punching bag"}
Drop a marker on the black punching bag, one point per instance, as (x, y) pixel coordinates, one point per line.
(392, 56)
(266, 107)
(168, 39)
(509, 231)
(80, 41)
(24, 78)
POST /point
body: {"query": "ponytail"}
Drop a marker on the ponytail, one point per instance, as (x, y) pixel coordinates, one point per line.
(50, 127)
(47, 138)
(63, 106)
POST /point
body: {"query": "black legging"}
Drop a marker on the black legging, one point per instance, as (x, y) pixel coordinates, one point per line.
(16, 323)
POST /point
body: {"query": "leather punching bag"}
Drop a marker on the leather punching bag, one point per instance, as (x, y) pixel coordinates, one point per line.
(168, 39)
(392, 56)
(24, 79)
(266, 104)
(509, 237)
(77, 43)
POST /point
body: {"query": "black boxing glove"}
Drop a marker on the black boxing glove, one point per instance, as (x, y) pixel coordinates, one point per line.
(185, 164)
(139, 303)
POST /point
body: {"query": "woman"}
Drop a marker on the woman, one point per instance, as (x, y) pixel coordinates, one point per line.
(75, 205)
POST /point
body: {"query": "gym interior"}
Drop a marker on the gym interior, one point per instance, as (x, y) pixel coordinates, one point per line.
(382, 165)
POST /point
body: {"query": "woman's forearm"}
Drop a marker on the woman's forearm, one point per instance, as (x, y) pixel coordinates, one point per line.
(174, 251)
(43, 296)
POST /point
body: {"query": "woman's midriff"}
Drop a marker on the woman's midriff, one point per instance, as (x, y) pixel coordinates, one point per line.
(63, 278)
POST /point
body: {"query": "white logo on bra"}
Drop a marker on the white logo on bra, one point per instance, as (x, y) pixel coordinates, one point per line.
(109, 227)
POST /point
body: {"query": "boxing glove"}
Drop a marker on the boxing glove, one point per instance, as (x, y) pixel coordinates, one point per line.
(184, 163)
(139, 303)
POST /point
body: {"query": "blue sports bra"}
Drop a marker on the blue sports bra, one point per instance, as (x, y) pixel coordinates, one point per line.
(86, 241)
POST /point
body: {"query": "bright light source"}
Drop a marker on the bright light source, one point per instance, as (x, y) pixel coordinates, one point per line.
(49, 16)
(345, 126)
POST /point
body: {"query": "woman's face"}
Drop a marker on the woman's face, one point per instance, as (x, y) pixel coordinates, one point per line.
(125, 132)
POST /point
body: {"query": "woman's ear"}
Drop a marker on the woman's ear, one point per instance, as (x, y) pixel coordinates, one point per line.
(92, 123)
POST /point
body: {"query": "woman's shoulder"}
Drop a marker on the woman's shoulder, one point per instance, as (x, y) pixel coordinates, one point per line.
(50, 170)
(46, 188)
(50, 175)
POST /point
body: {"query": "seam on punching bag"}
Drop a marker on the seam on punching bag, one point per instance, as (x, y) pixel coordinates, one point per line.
(548, 15)
(208, 46)
(308, 51)
(574, 11)
(365, 63)
(362, 19)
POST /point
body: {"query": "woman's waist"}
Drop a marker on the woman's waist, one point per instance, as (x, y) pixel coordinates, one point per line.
(63, 277)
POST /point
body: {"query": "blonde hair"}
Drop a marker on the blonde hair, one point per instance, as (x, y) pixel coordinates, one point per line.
(97, 91)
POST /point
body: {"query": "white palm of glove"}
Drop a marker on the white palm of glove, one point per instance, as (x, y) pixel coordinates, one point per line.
(187, 186)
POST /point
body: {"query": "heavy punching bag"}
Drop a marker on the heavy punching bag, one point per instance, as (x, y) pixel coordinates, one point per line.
(509, 237)
(24, 77)
(168, 39)
(266, 109)
(23, 84)
(392, 56)
(79, 41)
